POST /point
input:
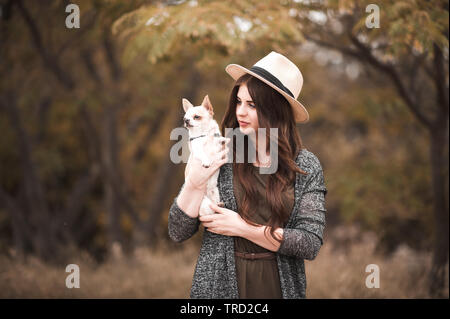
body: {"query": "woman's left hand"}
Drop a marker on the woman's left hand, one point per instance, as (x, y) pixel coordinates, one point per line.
(224, 222)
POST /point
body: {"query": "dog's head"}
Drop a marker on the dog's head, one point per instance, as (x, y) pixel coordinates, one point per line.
(198, 118)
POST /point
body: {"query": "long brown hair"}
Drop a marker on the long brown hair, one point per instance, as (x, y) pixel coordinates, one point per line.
(273, 111)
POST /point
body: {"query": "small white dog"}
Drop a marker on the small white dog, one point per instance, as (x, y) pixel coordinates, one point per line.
(203, 131)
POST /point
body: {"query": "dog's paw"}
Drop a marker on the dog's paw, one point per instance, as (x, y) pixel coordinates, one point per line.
(221, 204)
(205, 211)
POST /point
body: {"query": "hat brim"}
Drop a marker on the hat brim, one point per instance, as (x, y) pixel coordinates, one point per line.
(300, 113)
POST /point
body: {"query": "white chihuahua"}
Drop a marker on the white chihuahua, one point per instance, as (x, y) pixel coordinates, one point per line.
(203, 130)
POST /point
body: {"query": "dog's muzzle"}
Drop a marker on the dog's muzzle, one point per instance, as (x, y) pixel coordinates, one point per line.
(187, 122)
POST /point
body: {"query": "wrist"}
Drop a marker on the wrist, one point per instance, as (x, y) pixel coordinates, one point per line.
(244, 229)
(194, 187)
(248, 231)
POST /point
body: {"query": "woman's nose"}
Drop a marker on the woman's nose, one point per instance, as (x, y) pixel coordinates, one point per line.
(240, 110)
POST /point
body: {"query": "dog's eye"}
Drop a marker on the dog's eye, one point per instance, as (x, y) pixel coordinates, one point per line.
(196, 117)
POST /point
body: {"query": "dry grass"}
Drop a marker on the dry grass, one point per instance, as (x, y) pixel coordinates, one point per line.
(149, 273)
(341, 273)
(167, 273)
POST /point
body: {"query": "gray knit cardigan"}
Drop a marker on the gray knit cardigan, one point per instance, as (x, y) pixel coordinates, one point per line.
(215, 272)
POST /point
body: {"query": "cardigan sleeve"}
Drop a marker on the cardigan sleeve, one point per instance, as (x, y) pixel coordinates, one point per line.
(304, 237)
(181, 226)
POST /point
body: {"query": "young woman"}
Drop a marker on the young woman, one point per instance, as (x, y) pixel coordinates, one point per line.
(255, 246)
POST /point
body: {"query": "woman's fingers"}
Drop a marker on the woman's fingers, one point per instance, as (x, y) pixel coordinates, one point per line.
(221, 158)
(223, 154)
(223, 145)
(220, 150)
(207, 224)
(215, 207)
(225, 142)
(206, 218)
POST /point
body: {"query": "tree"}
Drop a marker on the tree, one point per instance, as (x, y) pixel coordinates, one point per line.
(410, 49)
(73, 181)
(41, 225)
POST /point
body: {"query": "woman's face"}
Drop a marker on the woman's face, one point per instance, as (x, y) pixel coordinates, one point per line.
(246, 111)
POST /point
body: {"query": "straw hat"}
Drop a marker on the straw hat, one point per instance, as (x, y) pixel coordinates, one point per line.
(281, 74)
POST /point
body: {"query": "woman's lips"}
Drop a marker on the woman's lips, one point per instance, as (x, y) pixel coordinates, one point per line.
(243, 123)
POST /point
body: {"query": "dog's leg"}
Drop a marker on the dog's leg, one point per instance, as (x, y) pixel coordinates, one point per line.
(205, 209)
(197, 150)
(203, 151)
(188, 165)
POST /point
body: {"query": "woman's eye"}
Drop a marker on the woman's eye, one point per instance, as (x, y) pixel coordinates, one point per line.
(251, 105)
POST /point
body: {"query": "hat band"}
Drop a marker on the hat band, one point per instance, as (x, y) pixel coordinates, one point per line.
(272, 79)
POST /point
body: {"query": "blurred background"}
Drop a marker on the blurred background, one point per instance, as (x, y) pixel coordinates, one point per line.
(86, 114)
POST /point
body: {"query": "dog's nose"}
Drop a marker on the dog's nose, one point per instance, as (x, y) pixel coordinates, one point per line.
(186, 121)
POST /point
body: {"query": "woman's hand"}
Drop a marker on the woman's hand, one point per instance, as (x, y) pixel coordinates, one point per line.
(229, 223)
(196, 175)
(224, 222)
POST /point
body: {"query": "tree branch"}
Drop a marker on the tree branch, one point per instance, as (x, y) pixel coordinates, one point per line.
(394, 76)
(86, 56)
(50, 61)
(94, 148)
(439, 79)
(79, 191)
(329, 45)
(114, 65)
(20, 227)
(91, 18)
(153, 128)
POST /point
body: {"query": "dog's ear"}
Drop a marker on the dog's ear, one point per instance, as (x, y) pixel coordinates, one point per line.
(186, 105)
(207, 105)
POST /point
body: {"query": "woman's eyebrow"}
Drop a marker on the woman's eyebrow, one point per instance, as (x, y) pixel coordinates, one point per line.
(247, 100)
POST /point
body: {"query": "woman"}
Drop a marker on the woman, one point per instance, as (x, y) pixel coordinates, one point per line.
(255, 246)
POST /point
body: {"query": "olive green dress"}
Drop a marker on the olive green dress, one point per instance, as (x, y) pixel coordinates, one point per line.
(258, 279)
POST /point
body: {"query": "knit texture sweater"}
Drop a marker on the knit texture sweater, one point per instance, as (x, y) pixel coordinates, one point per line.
(215, 272)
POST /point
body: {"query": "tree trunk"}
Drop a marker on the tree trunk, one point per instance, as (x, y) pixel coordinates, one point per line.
(441, 214)
(163, 181)
(35, 206)
(164, 178)
(110, 163)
